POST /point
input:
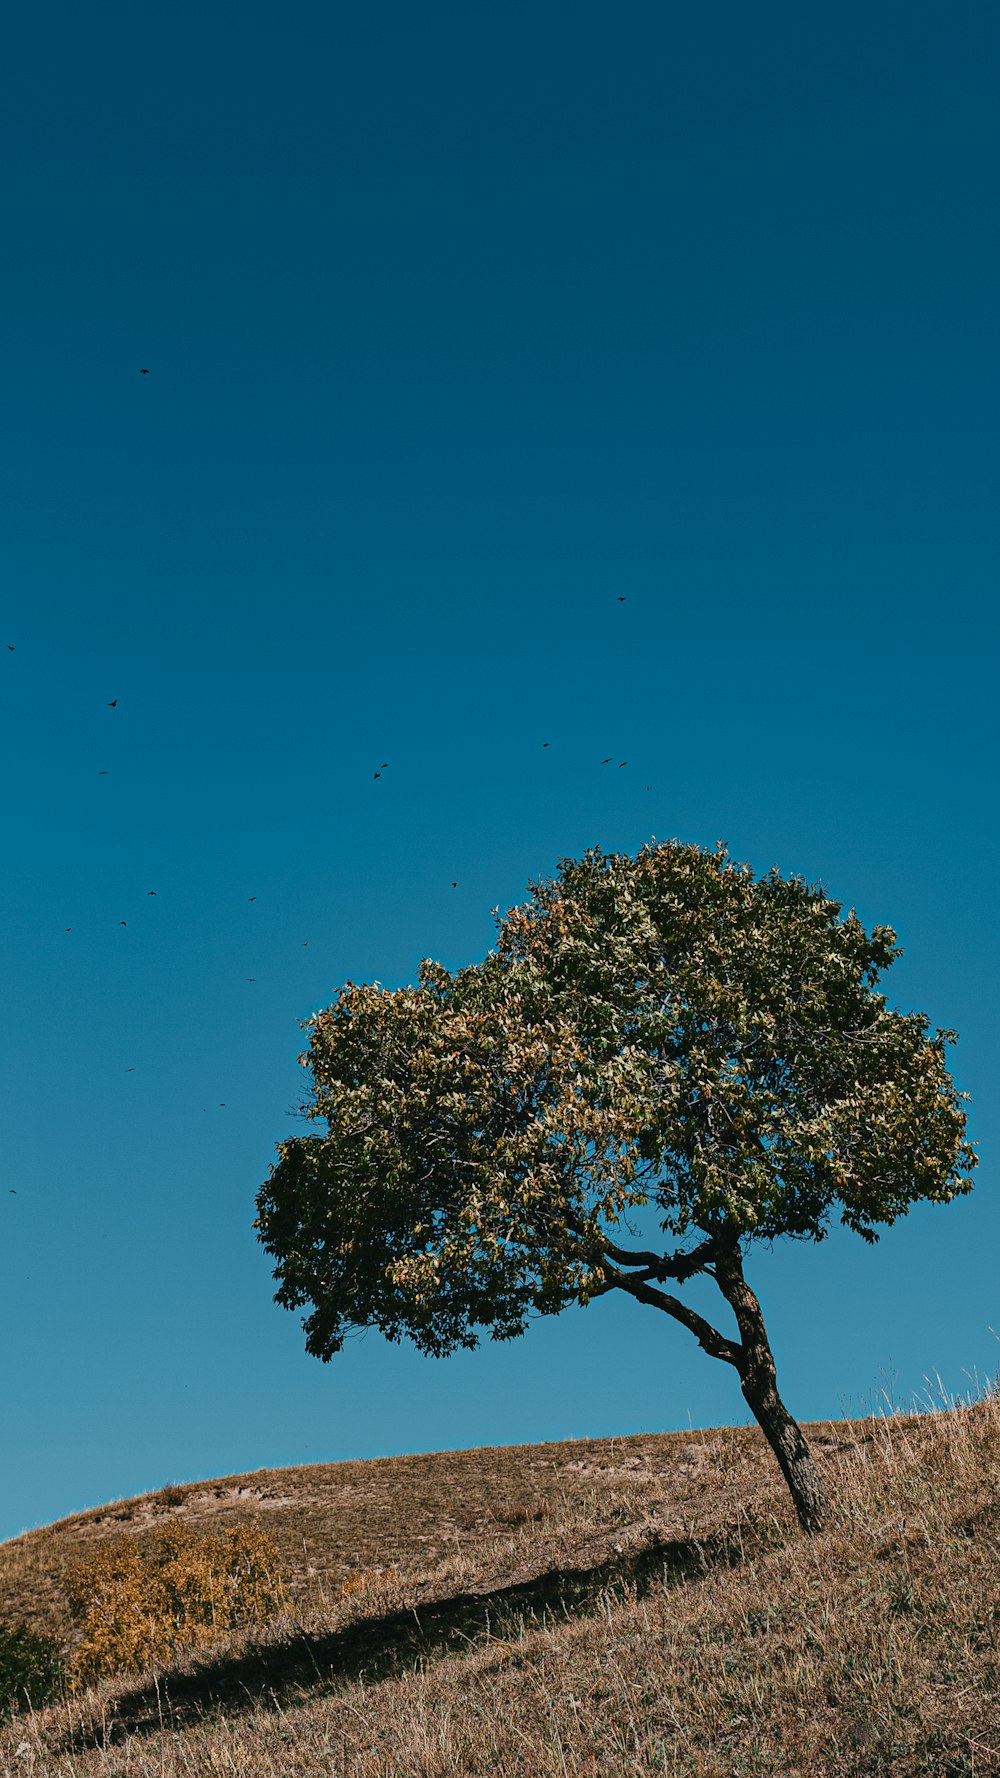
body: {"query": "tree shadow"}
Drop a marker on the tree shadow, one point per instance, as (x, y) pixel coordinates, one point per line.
(267, 1675)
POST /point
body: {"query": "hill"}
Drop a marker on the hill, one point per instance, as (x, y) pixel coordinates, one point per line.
(618, 1606)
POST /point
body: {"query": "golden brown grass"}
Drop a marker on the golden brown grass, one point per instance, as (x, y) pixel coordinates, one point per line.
(627, 1606)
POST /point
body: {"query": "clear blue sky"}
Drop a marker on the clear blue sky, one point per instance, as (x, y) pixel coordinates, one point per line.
(463, 323)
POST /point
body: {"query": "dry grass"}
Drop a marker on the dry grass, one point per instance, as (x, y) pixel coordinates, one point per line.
(138, 1608)
(627, 1606)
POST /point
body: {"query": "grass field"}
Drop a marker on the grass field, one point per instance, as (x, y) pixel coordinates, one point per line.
(617, 1606)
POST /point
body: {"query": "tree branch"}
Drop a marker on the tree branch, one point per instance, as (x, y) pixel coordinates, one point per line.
(708, 1338)
(653, 1261)
(679, 1265)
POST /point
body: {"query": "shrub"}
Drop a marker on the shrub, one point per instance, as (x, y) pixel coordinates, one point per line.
(32, 1672)
(138, 1606)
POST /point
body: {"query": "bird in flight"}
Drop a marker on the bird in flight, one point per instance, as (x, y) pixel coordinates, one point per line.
(621, 598)
(622, 762)
(377, 774)
(102, 774)
(123, 922)
(454, 885)
(249, 978)
(10, 648)
(144, 372)
(67, 928)
(113, 704)
(545, 743)
(150, 891)
(251, 898)
(130, 1071)
(607, 762)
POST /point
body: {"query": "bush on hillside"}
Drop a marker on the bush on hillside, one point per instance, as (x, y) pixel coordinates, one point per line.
(32, 1672)
(138, 1606)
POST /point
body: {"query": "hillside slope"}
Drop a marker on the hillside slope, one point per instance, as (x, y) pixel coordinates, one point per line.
(632, 1605)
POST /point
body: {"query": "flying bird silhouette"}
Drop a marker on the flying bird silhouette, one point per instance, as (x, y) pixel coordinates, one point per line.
(545, 743)
(621, 598)
(144, 372)
(251, 898)
(150, 891)
(249, 978)
(377, 774)
(123, 922)
(130, 1071)
(10, 648)
(607, 762)
(102, 774)
(454, 885)
(113, 704)
(67, 928)
(622, 762)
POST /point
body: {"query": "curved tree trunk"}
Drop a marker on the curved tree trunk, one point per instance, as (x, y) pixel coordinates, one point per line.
(758, 1382)
(751, 1356)
(785, 1437)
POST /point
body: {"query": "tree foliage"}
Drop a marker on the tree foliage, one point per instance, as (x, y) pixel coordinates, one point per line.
(663, 1030)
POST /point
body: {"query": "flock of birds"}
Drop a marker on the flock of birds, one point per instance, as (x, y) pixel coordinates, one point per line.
(112, 704)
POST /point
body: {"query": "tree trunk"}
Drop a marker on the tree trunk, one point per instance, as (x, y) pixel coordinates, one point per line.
(784, 1435)
(759, 1385)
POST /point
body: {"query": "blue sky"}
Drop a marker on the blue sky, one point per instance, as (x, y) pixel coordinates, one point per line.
(462, 325)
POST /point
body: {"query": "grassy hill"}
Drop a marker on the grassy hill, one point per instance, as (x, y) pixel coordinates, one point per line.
(616, 1606)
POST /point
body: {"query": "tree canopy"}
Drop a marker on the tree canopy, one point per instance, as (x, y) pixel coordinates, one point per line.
(662, 1030)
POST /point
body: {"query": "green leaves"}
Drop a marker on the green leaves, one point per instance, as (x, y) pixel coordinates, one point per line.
(659, 1030)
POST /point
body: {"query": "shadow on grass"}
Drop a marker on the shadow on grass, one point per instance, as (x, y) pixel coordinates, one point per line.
(271, 1674)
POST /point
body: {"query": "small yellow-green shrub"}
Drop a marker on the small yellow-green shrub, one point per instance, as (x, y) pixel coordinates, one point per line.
(137, 1606)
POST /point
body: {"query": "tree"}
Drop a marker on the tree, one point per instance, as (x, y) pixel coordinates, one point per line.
(662, 1031)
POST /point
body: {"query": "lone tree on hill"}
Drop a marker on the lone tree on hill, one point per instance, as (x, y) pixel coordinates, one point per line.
(662, 1030)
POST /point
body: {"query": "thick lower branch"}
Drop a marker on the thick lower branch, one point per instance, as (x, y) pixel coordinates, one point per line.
(706, 1335)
